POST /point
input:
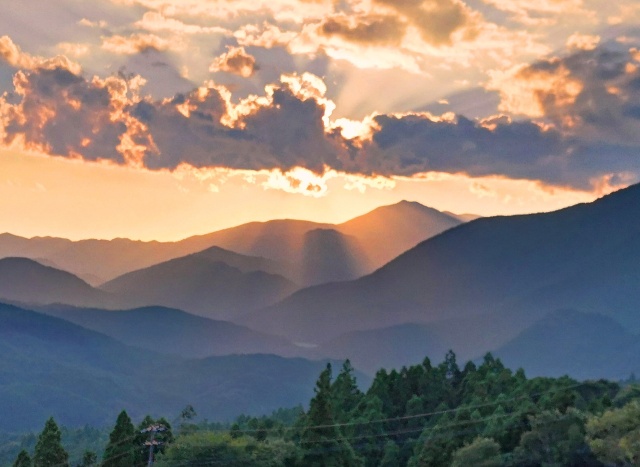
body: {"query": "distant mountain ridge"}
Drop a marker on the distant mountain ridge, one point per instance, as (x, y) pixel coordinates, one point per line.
(28, 281)
(526, 265)
(51, 367)
(584, 345)
(285, 240)
(174, 332)
(214, 283)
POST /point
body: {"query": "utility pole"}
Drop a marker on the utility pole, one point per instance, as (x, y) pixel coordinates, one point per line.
(152, 430)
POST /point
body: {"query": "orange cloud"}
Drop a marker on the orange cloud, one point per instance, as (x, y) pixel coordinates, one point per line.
(15, 57)
(237, 61)
(136, 43)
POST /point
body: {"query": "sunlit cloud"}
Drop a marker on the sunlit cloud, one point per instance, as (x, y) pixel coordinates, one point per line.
(235, 60)
(136, 43)
(156, 21)
(11, 54)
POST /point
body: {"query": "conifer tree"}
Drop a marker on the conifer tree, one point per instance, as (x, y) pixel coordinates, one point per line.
(121, 449)
(345, 393)
(321, 439)
(49, 450)
(23, 459)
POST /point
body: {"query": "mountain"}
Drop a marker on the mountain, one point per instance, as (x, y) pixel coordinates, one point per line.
(315, 252)
(466, 217)
(28, 281)
(583, 345)
(51, 367)
(171, 331)
(391, 230)
(215, 283)
(368, 242)
(328, 255)
(527, 265)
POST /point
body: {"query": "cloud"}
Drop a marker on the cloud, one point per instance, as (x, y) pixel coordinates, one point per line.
(156, 21)
(15, 57)
(136, 43)
(237, 61)
(593, 94)
(62, 113)
(541, 12)
(435, 20)
(583, 41)
(586, 104)
(370, 29)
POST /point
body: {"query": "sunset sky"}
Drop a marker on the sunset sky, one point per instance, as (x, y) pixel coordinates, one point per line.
(160, 119)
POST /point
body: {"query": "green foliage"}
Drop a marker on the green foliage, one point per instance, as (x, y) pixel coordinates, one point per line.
(391, 456)
(482, 452)
(120, 452)
(614, 436)
(209, 448)
(89, 459)
(49, 451)
(141, 451)
(321, 439)
(423, 415)
(23, 460)
(555, 439)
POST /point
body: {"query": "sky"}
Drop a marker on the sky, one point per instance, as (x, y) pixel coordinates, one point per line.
(160, 119)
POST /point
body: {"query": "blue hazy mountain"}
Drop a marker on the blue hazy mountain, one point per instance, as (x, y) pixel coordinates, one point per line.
(52, 367)
(172, 331)
(583, 345)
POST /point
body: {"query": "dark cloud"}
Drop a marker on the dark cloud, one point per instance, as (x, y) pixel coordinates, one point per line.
(66, 114)
(588, 136)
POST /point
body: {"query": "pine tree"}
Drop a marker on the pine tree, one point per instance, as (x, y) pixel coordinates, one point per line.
(49, 450)
(121, 449)
(322, 441)
(345, 394)
(23, 460)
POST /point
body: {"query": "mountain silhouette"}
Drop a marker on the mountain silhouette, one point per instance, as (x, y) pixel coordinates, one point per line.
(584, 345)
(375, 238)
(526, 265)
(26, 280)
(171, 331)
(215, 283)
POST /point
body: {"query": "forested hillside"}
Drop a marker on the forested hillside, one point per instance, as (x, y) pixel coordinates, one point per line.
(423, 415)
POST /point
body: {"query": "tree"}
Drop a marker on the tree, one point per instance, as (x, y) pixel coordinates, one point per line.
(23, 459)
(49, 450)
(345, 395)
(120, 452)
(555, 439)
(391, 457)
(321, 440)
(210, 448)
(614, 437)
(89, 459)
(482, 452)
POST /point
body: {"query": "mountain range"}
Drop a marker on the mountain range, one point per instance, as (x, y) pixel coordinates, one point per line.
(585, 256)
(552, 292)
(52, 367)
(315, 252)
